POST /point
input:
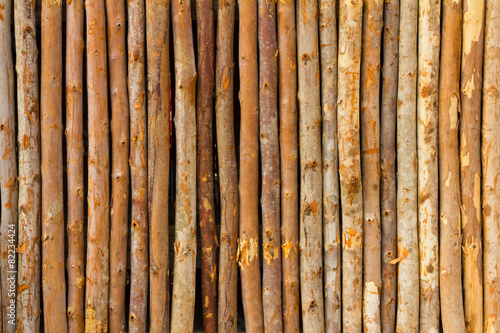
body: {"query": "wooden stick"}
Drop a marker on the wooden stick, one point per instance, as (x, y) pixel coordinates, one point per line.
(228, 169)
(452, 310)
(289, 166)
(158, 58)
(28, 143)
(185, 204)
(96, 312)
(206, 53)
(350, 27)
(408, 269)
(331, 213)
(270, 155)
(388, 199)
(139, 248)
(470, 161)
(249, 169)
(370, 167)
(427, 156)
(8, 170)
(74, 157)
(53, 273)
(115, 11)
(490, 153)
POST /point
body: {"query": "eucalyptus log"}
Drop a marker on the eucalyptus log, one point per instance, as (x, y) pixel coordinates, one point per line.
(28, 145)
(75, 265)
(287, 60)
(331, 213)
(429, 38)
(228, 168)
(96, 311)
(53, 272)
(115, 11)
(407, 220)
(470, 161)
(490, 154)
(204, 113)
(158, 75)
(450, 276)
(388, 163)
(351, 193)
(370, 162)
(183, 295)
(248, 251)
(8, 169)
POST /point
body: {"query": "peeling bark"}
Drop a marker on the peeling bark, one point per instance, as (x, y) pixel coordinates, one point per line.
(248, 251)
(370, 162)
(228, 169)
(53, 274)
(158, 58)
(331, 213)
(349, 61)
(8, 166)
(470, 161)
(427, 154)
(183, 295)
(75, 265)
(450, 281)
(28, 143)
(407, 220)
(289, 166)
(115, 11)
(96, 312)
(490, 153)
(388, 198)
(204, 109)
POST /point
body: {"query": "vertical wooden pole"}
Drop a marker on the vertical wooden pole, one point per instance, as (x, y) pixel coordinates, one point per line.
(8, 168)
(28, 143)
(228, 168)
(452, 310)
(183, 296)
(388, 163)
(331, 212)
(158, 58)
(427, 154)
(490, 153)
(470, 161)
(289, 166)
(350, 27)
(96, 311)
(249, 168)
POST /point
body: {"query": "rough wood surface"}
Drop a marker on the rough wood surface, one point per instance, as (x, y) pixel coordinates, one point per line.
(204, 111)
(53, 263)
(331, 191)
(228, 169)
(370, 162)
(388, 163)
(407, 223)
(8, 169)
(97, 286)
(450, 270)
(120, 175)
(183, 294)
(490, 153)
(349, 61)
(248, 252)
(470, 161)
(158, 60)
(429, 37)
(75, 265)
(28, 144)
